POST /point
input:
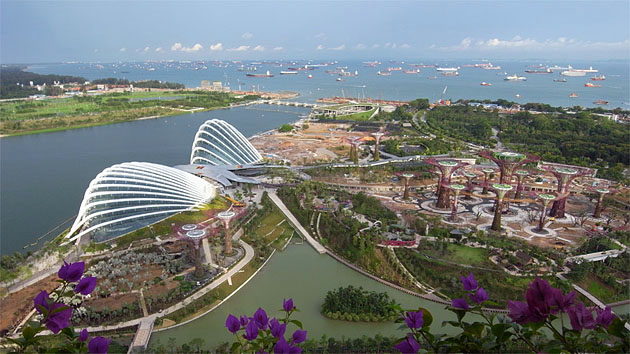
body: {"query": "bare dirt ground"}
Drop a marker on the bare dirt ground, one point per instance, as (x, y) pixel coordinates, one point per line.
(17, 305)
(321, 142)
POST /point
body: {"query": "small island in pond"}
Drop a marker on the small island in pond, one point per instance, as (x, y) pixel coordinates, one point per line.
(356, 304)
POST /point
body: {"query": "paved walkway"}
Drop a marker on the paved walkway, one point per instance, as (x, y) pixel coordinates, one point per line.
(318, 247)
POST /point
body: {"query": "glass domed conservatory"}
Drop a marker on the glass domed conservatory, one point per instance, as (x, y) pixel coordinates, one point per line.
(219, 143)
(128, 196)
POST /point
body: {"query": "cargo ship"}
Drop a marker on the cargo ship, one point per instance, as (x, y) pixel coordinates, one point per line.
(534, 71)
(384, 73)
(267, 74)
(447, 69)
(598, 78)
(559, 80)
(600, 102)
(573, 95)
(573, 73)
(515, 78)
(291, 72)
(417, 71)
(588, 84)
(485, 84)
(450, 73)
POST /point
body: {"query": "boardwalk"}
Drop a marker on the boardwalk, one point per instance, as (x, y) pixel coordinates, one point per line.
(143, 334)
(316, 245)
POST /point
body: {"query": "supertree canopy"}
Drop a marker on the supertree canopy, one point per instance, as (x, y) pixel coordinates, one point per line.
(377, 139)
(446, 168)
(508, 162)
(520, 175)
(406, 177)
(564, 176)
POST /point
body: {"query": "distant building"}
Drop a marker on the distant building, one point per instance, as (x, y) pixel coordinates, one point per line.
(205, 84)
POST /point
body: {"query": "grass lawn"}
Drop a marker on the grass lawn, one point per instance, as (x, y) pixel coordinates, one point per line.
(599, 289)
(468, 255)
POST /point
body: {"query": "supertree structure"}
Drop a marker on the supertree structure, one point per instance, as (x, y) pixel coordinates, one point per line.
(601, 192)
(486, 174)
(377, 139)
(194, 236)
(545, 199)
(406, 177)
(446, 168)
(501, 190)
(520, 175)
(508, 162)
(456, 188)
(469, 183)
(225, 217)
(354, 149)
(564, 176)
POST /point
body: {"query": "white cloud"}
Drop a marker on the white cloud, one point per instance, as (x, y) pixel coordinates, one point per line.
(277, 49)
(374, 46)
(320, 36)
(123, 49)
(146, 49)
(341, 47)
(216, 47)
(320, 47)
(360, 46)
(387, 45)
(241, 48)
(158, 49)
(530, 44)
(247, 35)
(258, 48)
(405, 46)
(179, 47)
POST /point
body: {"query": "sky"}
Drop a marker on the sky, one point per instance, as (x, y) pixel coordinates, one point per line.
(106, 31)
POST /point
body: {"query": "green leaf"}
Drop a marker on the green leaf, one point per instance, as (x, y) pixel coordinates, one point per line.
(235, 347)
(297, 323)
(29, 333)
(475, 329)
(427, 317)
(617, 328)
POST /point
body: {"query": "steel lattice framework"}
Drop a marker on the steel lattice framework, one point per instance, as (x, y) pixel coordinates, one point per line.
(219, 143)
(128, 196)
(508, 162)
(446, 168)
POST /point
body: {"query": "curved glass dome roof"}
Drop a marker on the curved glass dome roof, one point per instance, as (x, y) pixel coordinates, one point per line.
(219, 143)
(131, 195)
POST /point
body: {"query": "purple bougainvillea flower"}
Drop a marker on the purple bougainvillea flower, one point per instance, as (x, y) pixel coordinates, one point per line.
(538, 296)
(287, 305)
(519, 312)
(409, 345)
(41, 301)
(605, 317)
(251, 331)
(98, 345)
(261, 319)
(559, 302)
(244, 321)
(83, 335)
(479, 296)
(460, 304)
(299, 336)
(71, 272)
(233, 324)
(56, 321)
(469, 282)
(86, 285)
(277, 329)
(282, 347)
(414, 319)
(581, 317)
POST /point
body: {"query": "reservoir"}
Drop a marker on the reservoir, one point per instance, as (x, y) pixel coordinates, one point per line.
(43, 176)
